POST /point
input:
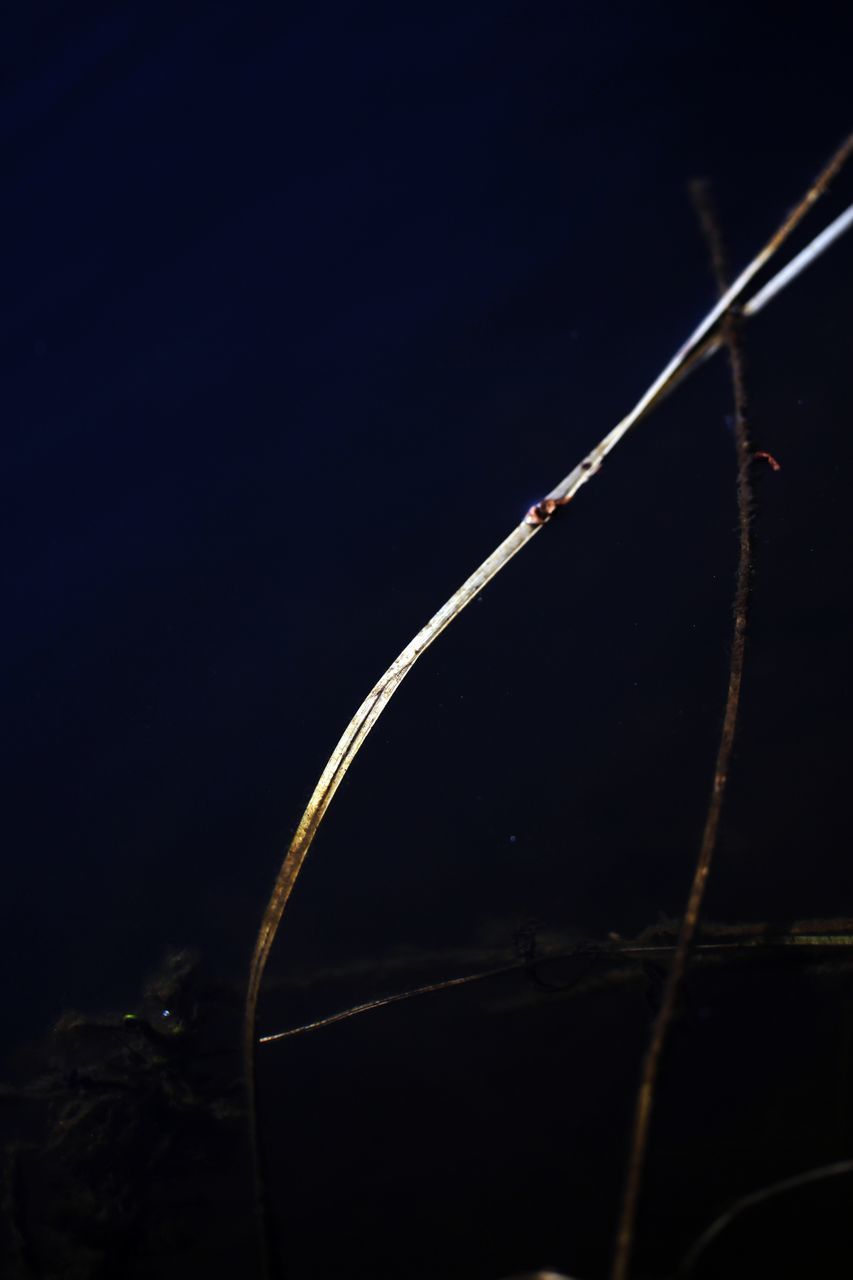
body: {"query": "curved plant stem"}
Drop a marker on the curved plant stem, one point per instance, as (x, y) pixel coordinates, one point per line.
(710, 1234)
(378, 698)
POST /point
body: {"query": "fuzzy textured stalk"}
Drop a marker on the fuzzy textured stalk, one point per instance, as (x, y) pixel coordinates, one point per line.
(644, 1104)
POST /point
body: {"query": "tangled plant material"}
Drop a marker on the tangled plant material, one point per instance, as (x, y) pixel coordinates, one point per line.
(120, 1103)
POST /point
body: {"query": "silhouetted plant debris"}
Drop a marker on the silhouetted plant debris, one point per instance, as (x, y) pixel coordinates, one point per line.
(122, 1105)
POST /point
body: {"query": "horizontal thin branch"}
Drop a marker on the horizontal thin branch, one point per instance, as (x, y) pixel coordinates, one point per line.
(733, 948)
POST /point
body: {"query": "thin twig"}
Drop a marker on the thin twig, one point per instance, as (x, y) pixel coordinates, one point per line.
(813, 944)
(378, 698)
(759, 300)
(672, 988)
(803, 259)
(382, 1002)
(568, 487)
(710, 1234)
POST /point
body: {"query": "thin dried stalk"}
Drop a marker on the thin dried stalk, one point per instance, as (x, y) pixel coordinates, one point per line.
(766, 293)
(382, 1002)
(803, 259)
(817, 944)
(378, 698)
(834, 1170)
(675, 978)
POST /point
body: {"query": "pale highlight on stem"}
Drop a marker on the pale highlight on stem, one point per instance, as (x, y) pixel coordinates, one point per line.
(568, 487)
(765, 294)
(378, 698)
(799, 263)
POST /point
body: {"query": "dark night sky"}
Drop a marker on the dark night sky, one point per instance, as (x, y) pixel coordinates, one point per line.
(303, 306)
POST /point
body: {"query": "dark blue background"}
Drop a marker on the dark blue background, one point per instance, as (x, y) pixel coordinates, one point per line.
(303, 306)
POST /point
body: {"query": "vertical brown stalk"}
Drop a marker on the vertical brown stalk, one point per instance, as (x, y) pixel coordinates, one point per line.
(730, 329)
